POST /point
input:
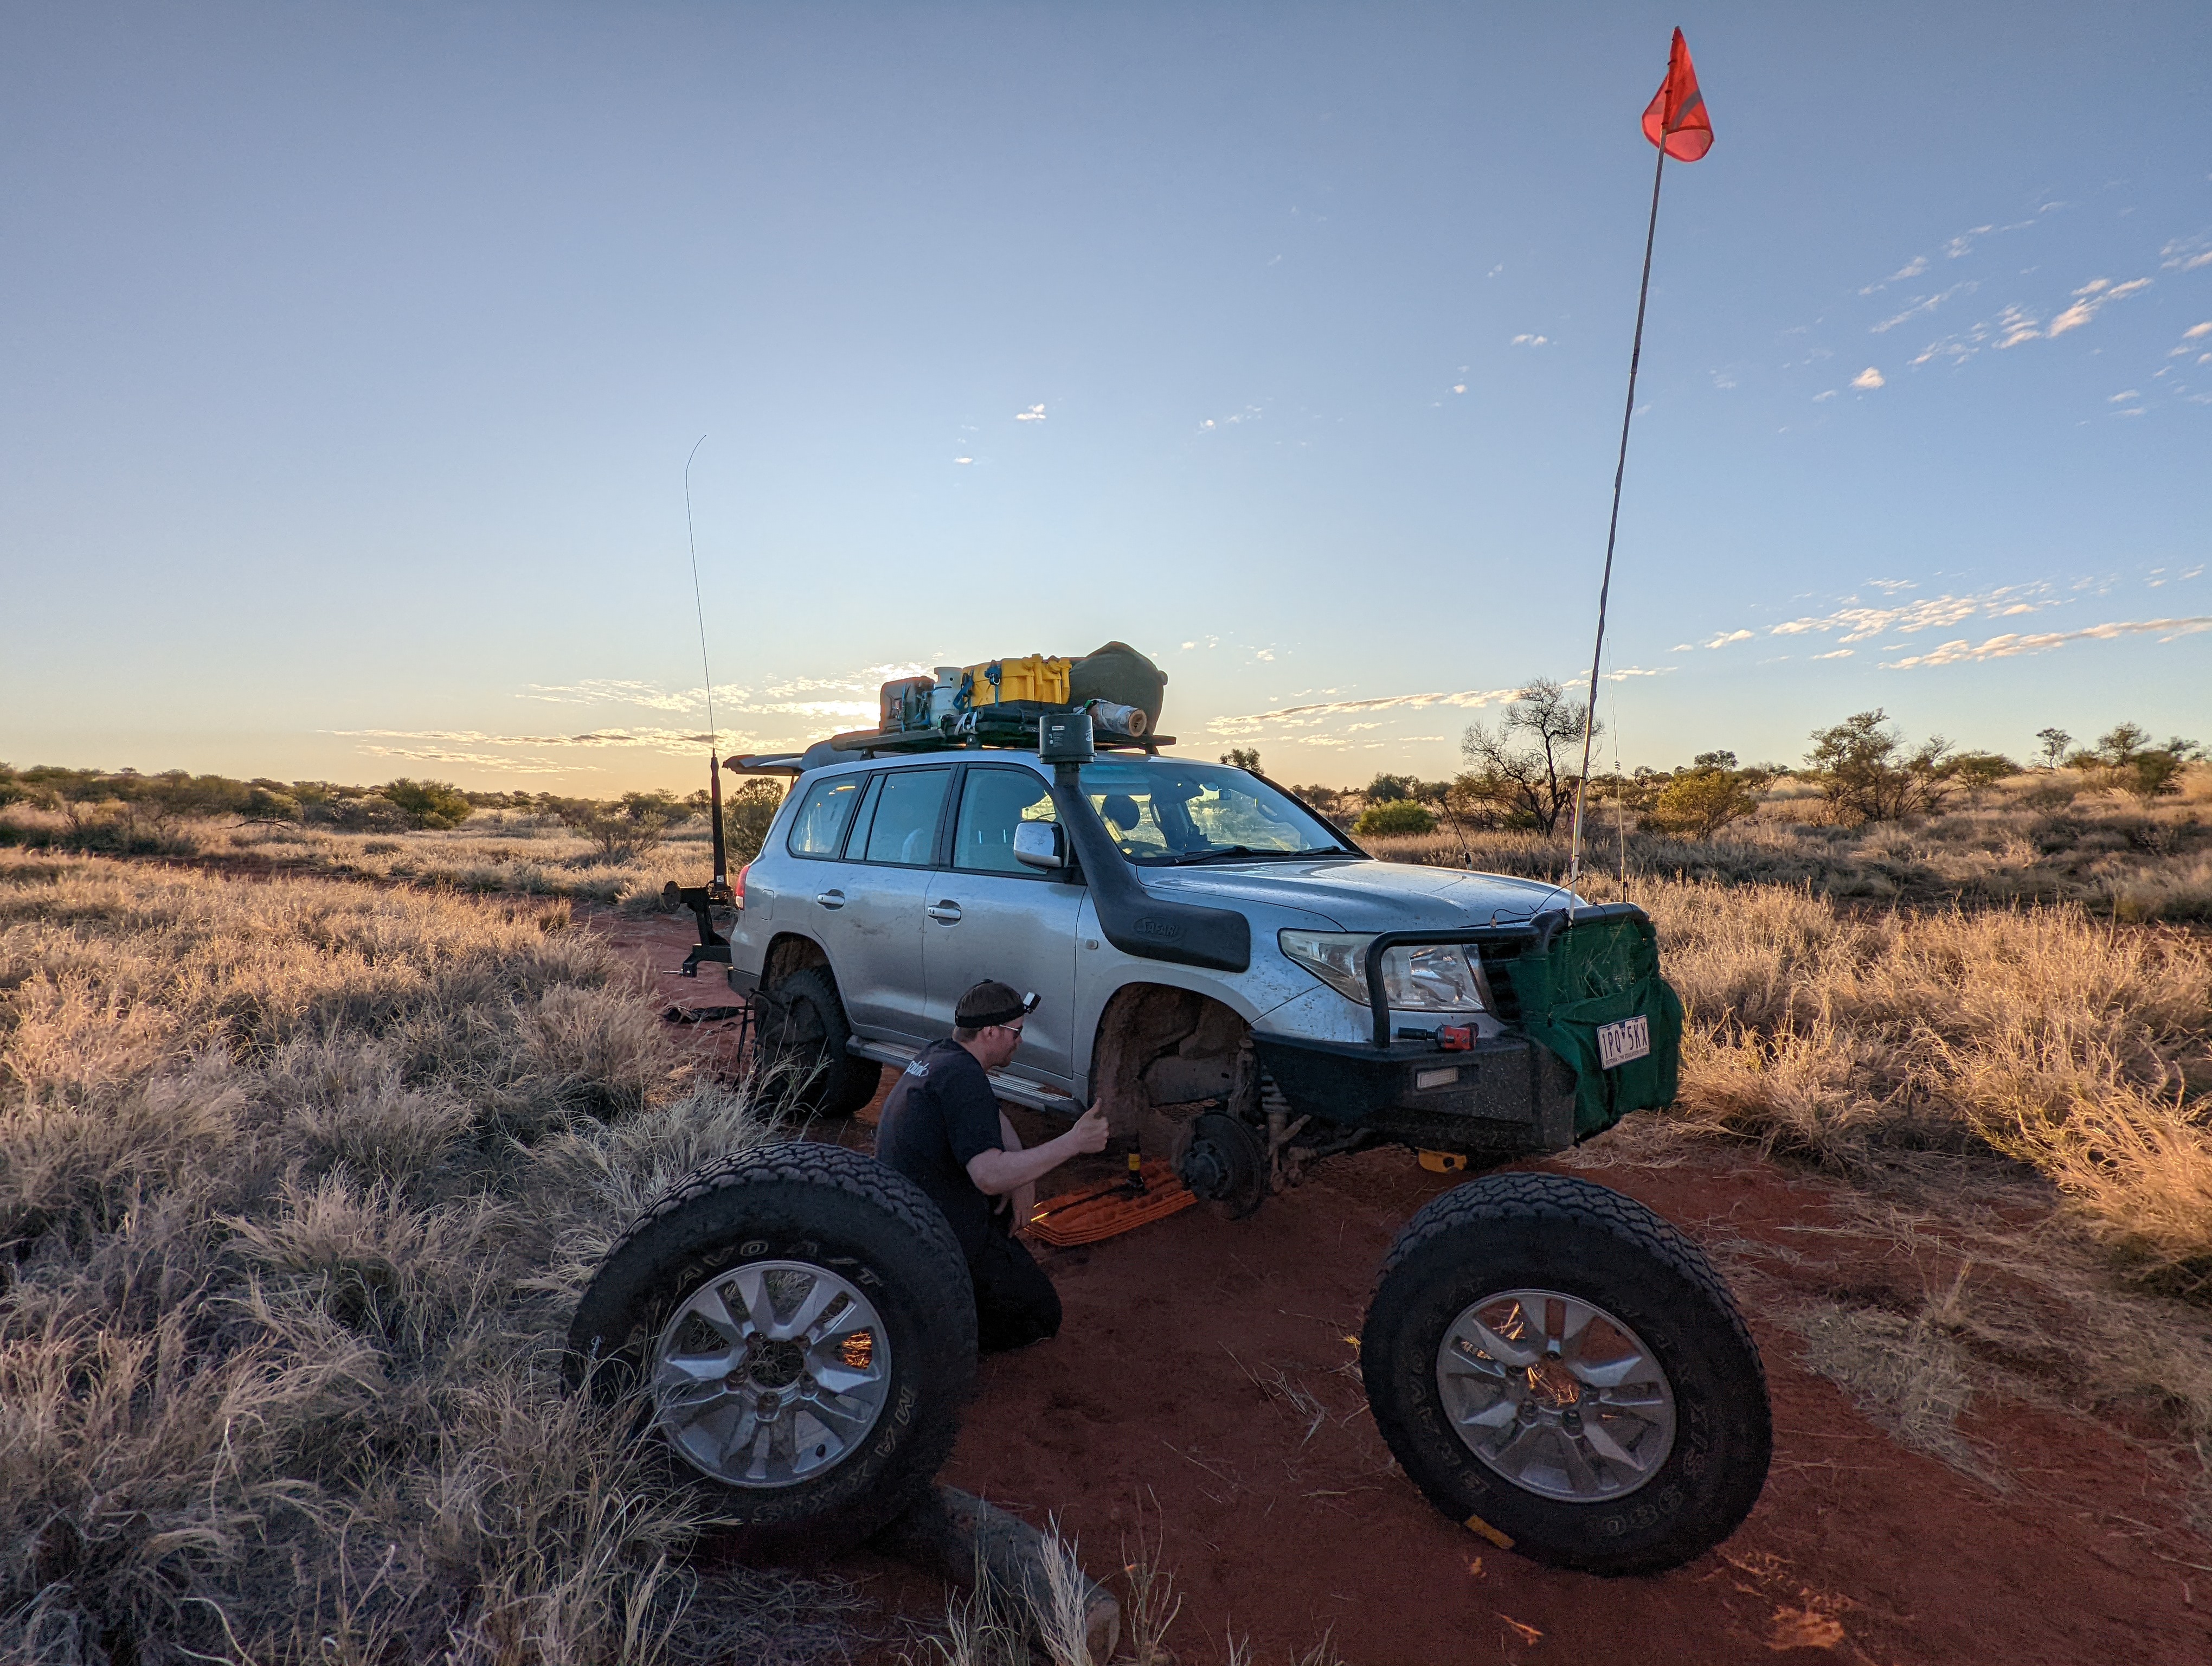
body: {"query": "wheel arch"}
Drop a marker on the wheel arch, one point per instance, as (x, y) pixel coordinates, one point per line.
(1161, 1051)
(791, 951)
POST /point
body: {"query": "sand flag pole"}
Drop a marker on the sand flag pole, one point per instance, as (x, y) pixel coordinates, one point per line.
(1676, 123)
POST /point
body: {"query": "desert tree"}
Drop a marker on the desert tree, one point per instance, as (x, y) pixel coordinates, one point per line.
(1242, 757)
(1525, 768)
(2124, 761)
(2055, 743)
(1867, 773)
(747, 814)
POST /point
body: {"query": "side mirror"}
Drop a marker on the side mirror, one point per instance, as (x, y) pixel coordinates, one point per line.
(1040, 844)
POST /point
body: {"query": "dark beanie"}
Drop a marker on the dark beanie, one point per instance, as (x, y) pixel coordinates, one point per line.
(991, 1002)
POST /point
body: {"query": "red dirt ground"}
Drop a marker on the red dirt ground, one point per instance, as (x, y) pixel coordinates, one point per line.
(1148, 1412)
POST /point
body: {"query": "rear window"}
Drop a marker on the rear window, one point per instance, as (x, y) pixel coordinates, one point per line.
(904, 830)
(819, 827)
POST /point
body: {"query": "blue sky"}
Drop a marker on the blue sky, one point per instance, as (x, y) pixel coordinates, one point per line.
(353, 355)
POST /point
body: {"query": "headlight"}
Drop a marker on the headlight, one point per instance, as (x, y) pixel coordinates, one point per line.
(1432, 977)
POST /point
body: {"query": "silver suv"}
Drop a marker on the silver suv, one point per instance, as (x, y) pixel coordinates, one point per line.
(1205, 945)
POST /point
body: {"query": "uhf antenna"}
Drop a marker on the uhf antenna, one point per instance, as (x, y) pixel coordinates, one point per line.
(720, 885)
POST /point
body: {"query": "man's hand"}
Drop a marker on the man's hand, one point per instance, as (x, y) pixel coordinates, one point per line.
(1090, 1131)
(997, 1173)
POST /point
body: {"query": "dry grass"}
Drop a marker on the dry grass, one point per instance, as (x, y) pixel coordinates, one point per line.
(2082, 1048)
(493, 851)
(2046, 837)
(298, 1181)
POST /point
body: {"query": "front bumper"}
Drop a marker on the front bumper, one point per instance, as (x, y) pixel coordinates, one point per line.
(1507, 1097)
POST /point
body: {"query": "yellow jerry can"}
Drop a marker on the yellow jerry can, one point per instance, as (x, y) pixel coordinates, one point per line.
(1035, 677)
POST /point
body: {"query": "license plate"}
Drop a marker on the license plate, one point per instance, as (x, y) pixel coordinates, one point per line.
(1617, 1044)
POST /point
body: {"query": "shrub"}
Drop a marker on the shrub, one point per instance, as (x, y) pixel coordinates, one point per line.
(1701, 800)
(622, 828)
(1867, 775)
(1398, 816)
(429, 803)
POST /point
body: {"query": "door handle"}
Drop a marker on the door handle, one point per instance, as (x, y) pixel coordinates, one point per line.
(831, 899)
(945, 912)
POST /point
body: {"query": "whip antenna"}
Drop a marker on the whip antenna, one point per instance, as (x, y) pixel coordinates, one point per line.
(1676, 122)
(692, 539)
(720, 888)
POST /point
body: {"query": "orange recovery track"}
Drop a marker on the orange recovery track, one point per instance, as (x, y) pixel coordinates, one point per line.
(1108, 1211)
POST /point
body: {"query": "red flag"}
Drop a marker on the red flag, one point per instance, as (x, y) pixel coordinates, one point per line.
(1676, 119)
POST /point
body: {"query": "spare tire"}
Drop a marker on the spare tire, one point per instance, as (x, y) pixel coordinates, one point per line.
(1561, 1371)
(799, 1323)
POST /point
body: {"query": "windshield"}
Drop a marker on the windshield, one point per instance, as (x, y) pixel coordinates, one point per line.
(1166, 812)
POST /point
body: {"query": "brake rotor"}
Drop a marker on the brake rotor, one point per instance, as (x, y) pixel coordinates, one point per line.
(1223, 1162)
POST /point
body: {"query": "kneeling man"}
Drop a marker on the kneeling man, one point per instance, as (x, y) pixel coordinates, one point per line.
(942, 1128)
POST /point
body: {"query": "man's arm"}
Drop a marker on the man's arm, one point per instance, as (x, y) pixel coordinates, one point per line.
(999, 1172)
(1023, 1198)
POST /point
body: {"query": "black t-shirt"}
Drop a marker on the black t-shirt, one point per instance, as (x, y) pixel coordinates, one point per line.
(940, 1114)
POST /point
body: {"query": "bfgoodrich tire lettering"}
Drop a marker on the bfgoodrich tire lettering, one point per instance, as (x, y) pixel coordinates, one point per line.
(807, 1206)
(1554, 1233)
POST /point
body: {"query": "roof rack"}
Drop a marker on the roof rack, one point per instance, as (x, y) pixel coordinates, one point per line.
(988, 728)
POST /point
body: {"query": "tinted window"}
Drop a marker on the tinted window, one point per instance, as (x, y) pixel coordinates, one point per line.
(819, 826)
(905, 828)
(993, 804)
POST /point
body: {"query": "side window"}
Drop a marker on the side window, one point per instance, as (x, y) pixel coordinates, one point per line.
(904, 829)
(857, 841)
(819, 827)
(992, 804)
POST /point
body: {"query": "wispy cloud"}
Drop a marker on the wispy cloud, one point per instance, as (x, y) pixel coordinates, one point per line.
(1727, 636)
(1891, 587)
(2091, 298)
(1859, 623)
(1309, 716)
(483, 760)
(1836, 653)
(671, 741)
(1034, 414)
(613, 692)
(1627, 672)
(1530, 340)
(2186, 254)
(1923, 304)
(2010, 646)
(1912, 268)
(1868, 379)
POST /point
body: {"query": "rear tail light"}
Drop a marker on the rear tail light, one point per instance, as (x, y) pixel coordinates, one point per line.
(738, 887)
